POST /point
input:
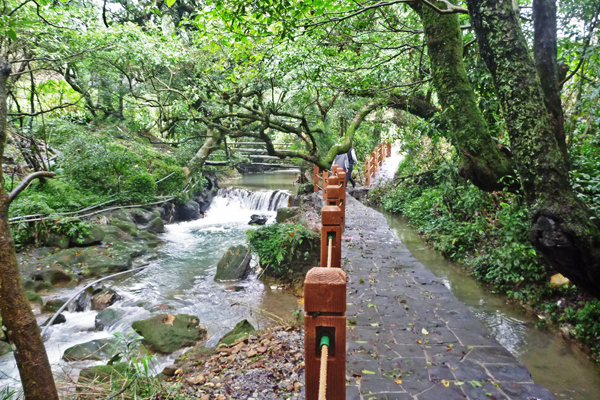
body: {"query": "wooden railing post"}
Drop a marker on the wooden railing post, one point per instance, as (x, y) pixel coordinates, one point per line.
(367, 171)
(381, 156)
(342, 203)
(325, 183)
(331, 223)
(325, 314)
(389, 149)
(316, 178)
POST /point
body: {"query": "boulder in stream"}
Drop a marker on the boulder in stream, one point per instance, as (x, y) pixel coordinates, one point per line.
(188, 211)
(94, 350)
(156, 225)
(103, 298)
(234, 265)
(95, 235)
(53, 305)
(60, 319)
(257, 219)
(166, 333)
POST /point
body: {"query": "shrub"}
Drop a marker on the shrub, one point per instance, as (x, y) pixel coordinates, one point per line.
(140, 187)
(282, 247)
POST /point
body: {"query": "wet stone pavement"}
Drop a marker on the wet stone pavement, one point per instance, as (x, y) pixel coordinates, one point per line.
(408, 337)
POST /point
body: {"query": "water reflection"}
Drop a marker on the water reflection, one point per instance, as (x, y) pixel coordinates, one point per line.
(552, 361)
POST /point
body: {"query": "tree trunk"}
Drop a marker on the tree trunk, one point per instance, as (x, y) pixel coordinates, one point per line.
(211, 144)
(17, 317)
(562, 228)
(482, 161)
(545, 53)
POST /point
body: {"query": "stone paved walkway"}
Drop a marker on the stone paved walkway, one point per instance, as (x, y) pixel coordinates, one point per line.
(408, 336)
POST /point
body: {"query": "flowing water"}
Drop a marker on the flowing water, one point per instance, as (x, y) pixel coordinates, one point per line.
(552, 361)
(180, 279)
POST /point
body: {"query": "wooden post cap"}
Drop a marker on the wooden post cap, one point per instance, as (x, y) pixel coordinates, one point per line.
(331, 215)
(325, 290)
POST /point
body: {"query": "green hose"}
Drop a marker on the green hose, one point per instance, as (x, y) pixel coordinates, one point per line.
(324, 341)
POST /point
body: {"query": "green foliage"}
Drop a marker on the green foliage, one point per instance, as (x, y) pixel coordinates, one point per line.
(586, 321)
(54, 196)
(140, 187)
(280, 246)
(487, 232)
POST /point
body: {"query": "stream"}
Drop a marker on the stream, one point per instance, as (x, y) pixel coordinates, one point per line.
(553, 362)
(180, 279)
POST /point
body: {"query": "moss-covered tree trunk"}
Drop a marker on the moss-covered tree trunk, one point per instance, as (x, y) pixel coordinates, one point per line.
(482, 161)
(17, 317)
(563, 230)
(545, 52)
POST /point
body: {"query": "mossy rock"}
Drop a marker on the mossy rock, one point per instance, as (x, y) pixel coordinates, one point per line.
(94, 236)
(107, 317)
(103, 373)
(234, 265)
(166, 333)
(34, 297)
(53, 305)
(113, 234)
(95, 264)
(126, 226)
(284, 213)
(140, 216)
(241, 329)
(149, 238)
(67, 258)
(94, 350)
(57, 240)
(156, 225)
(55, 275)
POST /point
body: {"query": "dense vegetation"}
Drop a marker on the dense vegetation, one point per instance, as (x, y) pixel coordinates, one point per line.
(126, 102)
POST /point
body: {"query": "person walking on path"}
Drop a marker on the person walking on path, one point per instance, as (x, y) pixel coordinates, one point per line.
(352, 161)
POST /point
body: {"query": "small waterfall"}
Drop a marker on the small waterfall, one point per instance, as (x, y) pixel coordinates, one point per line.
(264, 200)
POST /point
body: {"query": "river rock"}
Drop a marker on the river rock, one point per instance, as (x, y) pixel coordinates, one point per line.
(256, 219)
(241, 329)
(104, 298)
(53, 305)
(167, 333)
(107, 317)
(94, 350)
(124, 225)
(57, 240)
(113, 234)
(60, 319)
(234, 265)
(285, 213)
(149, 238)
(56, 276)
(141, 216)
(5, 348)
(103, 373)
(95, 264)
(34, 297)
(156, 225)
(93, 236)
(189, 211)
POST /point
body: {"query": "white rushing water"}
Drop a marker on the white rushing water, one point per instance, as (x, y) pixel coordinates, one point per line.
(180, 280)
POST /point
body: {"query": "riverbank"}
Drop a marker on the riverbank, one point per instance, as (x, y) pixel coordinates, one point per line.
(178, 280)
